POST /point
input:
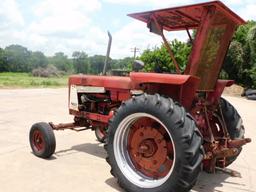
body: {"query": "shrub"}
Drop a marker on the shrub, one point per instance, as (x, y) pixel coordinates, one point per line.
(49, 71)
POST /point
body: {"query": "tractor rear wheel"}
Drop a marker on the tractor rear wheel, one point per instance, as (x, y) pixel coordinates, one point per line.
(42, 140)
(234, 125)
(153, 145)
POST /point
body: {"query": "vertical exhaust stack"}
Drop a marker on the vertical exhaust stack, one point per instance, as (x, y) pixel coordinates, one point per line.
(108, 53)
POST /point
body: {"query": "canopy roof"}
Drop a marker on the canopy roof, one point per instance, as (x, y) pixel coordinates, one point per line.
(185, 17)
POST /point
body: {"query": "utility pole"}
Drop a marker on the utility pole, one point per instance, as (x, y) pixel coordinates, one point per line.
(135, 50)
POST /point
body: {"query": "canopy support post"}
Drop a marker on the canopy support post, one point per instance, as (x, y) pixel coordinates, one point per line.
(167, 45)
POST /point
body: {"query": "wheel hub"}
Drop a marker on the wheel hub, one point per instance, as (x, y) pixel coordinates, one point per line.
(38, 141)
(149, 150)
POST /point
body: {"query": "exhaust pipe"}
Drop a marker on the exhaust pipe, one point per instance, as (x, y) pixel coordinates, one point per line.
(108, 53)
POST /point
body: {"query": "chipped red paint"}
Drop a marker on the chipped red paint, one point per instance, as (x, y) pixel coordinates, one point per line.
(101, 81)
(148, 149)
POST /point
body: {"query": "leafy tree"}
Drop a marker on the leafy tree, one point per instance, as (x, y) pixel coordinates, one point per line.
(159, 59)
(241, 57)
(38, 59)
(61, 61)
(3, 66)
(242, 32)
(234, 61)
(80, 62)
(251, 72)
(251, 39)
(97, 64)
(17, 58)
(252, 75)
(125, 63)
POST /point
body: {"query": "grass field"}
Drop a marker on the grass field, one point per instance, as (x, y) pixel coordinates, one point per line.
(26, 80)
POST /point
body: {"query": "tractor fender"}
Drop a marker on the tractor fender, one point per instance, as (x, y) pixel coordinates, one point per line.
(181, 88)
(160, 78)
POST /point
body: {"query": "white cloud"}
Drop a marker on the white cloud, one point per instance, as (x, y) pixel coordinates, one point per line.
(56, 7)
(92, 41)
(166, 3)
(238, 2)
(131, 35)
(56, 24)
(248, 12)
(58, 16)
(63, 26)
(244, 8)
(10, 14)
(136, 34)
(151, 3)
(11, 22)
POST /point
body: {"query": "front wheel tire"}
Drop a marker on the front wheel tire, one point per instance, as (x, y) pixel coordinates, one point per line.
(154, 145)
(101, 133)
(42, 140)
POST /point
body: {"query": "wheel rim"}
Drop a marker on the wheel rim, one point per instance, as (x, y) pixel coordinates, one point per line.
(144, 150)
(38, 141)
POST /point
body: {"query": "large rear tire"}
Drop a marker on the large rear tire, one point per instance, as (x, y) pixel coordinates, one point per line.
(234, 125)
(153, 146)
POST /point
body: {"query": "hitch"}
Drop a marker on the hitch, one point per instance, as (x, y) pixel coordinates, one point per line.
(72, 126)
(217, 151)
(237, 143)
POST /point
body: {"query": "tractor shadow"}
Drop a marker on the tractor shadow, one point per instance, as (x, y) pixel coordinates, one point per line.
(206, 182)
(209, 182)
(95, 149)
(112, 182)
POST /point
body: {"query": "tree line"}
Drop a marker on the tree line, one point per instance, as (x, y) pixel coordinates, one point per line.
(17, 58)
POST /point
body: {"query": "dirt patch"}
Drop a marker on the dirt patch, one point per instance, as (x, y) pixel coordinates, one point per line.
(234, 90)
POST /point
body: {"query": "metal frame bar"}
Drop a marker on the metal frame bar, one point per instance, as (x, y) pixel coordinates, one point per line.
(189, 35)
(167, 45)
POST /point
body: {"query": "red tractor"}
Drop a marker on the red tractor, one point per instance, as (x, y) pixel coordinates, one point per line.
(161, 129)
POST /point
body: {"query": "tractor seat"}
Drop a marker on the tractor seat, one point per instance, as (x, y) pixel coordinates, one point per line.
(116, 82)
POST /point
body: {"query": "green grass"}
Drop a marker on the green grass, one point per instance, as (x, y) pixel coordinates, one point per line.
(26, 80)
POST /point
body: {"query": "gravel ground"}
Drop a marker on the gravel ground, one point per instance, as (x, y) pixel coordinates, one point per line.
(79, 162)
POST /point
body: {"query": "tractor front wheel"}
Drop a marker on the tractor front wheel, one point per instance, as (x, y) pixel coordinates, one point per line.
(42, 140)
(153, 145)
(101, 133)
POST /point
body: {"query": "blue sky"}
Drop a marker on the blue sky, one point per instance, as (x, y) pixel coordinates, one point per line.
(69, 25)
